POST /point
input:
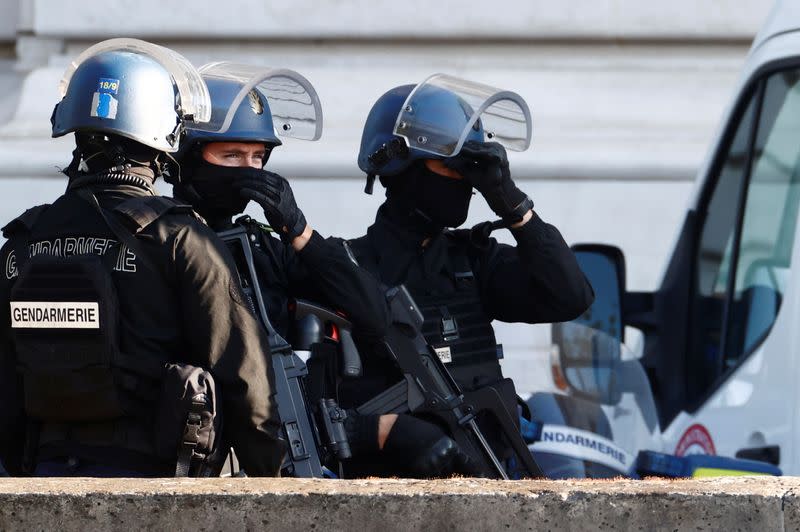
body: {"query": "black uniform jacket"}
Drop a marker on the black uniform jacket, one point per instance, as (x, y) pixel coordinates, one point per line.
(536, 281)
(321, 272)
(191, 311)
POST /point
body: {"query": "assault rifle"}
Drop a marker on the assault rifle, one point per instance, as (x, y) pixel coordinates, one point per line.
(312, 433)
(427, 387)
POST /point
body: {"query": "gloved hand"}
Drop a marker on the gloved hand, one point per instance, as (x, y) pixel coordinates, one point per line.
(441, 460)
(485, 166)
(275, 196)
(426, 451)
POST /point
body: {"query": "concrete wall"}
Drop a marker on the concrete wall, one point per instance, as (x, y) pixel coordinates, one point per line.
(8, 21)
(386, 19)
(286, 505)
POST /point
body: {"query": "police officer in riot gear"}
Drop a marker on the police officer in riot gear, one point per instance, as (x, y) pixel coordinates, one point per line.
(221, 171)
(110, 282)
(431, 149)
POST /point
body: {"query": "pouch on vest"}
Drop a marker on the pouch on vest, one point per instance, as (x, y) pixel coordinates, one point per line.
(64, 319)
(190, 422)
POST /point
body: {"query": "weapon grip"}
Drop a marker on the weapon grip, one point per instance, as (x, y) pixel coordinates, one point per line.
(351, 359)
(308, 331)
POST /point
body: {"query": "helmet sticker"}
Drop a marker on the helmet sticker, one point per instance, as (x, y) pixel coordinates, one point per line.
(108, 85)
(255, 102)
(104, 105)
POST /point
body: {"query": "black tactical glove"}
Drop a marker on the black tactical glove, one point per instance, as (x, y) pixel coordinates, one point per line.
(274, 194)
(426, 451)
(443, 459)
(485, 166)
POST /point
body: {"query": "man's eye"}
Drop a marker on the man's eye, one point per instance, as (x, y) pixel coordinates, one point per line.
(232, 156)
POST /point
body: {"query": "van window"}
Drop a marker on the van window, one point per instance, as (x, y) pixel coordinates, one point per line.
(716, 242)
(769, 220)
(714, 260)
(743, 258)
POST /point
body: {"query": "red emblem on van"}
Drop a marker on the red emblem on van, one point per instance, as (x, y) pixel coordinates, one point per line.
(696, 440)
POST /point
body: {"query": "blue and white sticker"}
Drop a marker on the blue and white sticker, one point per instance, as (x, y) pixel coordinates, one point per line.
(104, 104)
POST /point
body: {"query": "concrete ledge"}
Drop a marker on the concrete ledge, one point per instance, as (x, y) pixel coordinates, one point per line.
(744, 503)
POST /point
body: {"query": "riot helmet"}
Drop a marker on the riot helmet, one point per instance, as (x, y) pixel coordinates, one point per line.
(254, 104)
(250, 104)
(433, 120)
(131, 89)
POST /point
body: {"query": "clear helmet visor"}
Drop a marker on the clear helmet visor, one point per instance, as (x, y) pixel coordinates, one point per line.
(293, 102)
(195, 102)
(444, 111)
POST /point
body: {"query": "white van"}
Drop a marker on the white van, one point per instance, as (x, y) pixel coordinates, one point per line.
(722, 333)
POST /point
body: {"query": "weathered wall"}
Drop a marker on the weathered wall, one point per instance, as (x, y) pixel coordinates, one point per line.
(383, 505)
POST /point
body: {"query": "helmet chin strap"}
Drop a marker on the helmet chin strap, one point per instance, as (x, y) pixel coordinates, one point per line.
(370, 183)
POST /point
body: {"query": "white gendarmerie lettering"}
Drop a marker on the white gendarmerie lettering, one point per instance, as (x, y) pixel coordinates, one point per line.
(55, 315)
(66, 247)
(583, 445)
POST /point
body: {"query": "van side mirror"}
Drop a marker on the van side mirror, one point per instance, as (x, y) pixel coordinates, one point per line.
(588, 348)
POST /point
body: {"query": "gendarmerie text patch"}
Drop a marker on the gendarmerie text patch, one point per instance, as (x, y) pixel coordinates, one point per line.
(55, 315)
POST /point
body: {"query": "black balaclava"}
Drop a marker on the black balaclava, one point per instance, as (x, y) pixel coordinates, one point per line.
(216, 196)
(208, 187)
(425, 202)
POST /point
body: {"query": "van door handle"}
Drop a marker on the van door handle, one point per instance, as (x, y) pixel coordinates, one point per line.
(770, 454)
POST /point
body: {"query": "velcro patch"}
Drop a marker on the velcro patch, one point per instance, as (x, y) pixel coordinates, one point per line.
(55, 315)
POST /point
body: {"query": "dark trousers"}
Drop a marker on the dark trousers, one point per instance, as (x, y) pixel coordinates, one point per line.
(74, 467)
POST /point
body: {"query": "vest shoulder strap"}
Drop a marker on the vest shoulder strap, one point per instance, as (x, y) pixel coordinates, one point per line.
(141, 212)
(24, 222)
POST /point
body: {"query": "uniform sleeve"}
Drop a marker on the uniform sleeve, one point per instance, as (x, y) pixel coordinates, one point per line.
(324, 270)
(536, 281)
(12, 419)
(226, 338)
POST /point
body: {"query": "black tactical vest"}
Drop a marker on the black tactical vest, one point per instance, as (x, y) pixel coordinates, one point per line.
(65, 320)
(456, 324)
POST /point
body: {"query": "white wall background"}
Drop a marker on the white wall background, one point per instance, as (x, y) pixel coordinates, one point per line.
(625, 96)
